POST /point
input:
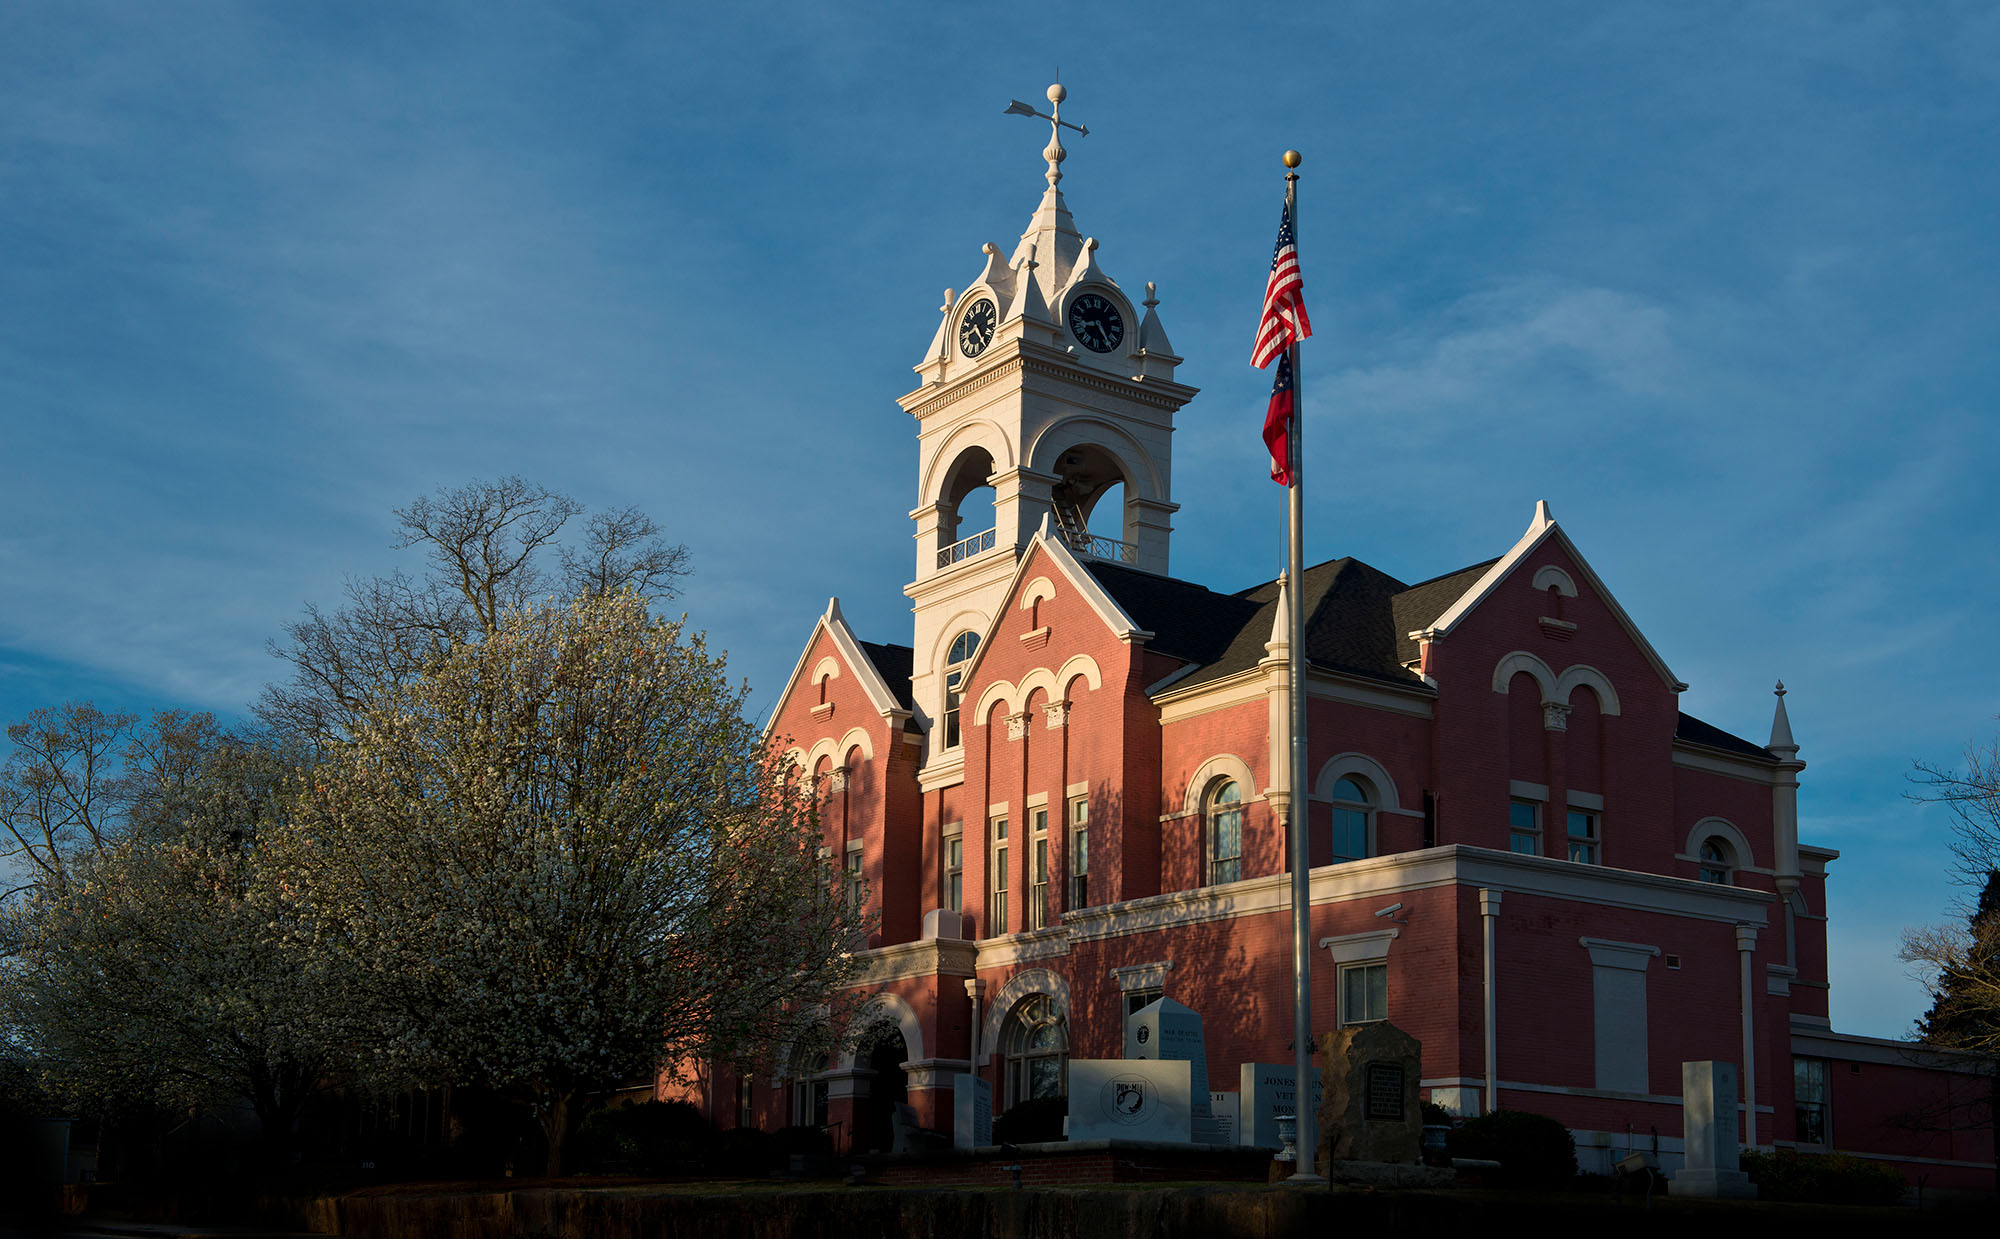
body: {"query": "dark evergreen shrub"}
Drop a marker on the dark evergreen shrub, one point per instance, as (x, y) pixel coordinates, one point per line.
(787, 1141)
(741, 1152)
(1823, 1178)
(1533, 1150)
(1034, 1121)
(653, 1137)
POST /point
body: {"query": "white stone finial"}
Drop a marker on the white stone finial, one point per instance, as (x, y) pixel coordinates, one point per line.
(1544, 515)
(1057, 94)
(950, 300)
(1152, 295)
(1781, 727)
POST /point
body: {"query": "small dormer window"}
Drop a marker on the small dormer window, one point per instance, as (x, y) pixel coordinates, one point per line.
(963, 647)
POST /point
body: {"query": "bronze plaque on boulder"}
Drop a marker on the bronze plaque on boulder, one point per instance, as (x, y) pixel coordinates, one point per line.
(1368, 1106)
(1385, 1092)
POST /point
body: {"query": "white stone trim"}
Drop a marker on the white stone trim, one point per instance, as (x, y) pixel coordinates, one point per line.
(1519, 790)
(1630, 956)
(1222, 765)
(925, 957)
(1342, 764)
(1513, 664)
(1142, 476)
(1367, 948)
(1002, 1002)
(1722, 827)
(1692, 756)
(1825, 1043)
(825, 668)
(1130, 977)
(1451, 865)
(1039, 590)
(897, 1012)
(1582, 675)
(1540, 529)
(1549, 574)
(1026, 946)
(849, 648)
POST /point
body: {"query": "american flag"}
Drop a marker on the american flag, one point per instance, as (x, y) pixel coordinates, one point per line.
(1278, 421)
(1285, 322)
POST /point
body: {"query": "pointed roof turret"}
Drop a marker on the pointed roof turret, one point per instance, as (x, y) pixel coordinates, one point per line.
(1152, 336)
(1782, 743)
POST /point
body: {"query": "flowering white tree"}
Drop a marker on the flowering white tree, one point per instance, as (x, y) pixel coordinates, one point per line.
(560, 859)
(161, 969)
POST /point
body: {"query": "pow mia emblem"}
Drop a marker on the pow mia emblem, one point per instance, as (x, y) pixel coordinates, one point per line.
(1128, 1099)
(1145, 1034)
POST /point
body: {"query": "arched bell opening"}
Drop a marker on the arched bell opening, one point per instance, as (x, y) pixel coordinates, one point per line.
(966, 520)
(1092, 504)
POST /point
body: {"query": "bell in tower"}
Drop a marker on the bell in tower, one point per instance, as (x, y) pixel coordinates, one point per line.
(1047, 393)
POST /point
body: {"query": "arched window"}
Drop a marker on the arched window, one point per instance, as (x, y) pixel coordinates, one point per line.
(1225, 832)
(1036, 1049)
(809, 1091)
(963, 647)
(1716, 862)
(1353, 814)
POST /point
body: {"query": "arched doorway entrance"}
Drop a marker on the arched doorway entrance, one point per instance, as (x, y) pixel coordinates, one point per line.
(888, 1088)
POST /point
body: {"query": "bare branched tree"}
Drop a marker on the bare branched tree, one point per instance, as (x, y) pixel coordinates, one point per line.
(77, 780)
(488, 545)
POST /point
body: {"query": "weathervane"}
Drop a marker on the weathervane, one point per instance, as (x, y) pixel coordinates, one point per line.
(1054, 153)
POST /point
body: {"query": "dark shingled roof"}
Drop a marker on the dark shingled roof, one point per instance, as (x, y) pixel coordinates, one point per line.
(895, 663)
(1695, 731)
(1351, 617)
(1416, 607)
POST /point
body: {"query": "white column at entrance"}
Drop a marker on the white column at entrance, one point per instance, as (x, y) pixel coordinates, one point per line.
(1489, 914)
(1746, 946)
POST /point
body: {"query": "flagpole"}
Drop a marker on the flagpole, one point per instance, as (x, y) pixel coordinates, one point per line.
(1307, 1144)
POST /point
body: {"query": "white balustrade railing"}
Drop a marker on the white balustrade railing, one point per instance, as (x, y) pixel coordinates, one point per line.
(965, 548)
(1088, 544)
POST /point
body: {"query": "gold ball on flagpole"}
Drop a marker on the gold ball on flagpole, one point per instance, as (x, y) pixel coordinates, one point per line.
(1293, 159)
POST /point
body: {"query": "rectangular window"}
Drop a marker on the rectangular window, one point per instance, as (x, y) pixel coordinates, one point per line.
(1524, 827)
(953, 895)
(1364, 993)
(1079, 853)
(1139, 999)
(1038, 897)
(746, 1107)
(1582, 837)
(851, 878)
(996, 915)
(1809, 1108)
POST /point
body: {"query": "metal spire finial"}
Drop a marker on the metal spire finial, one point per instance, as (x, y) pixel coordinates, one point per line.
(1054, 152)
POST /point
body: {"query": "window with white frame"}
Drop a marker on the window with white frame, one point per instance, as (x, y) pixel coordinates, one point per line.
(1717, 865)
(996, 912)
(1364, 993)
(1036, 1049)
(952, 894)
(1353, 819)
(1224, 820)
(1809, 1102)
(963, 647)
(1524, 827)
(1079, 853)
(851, 876)
(1583, 836)
(809, 1091)
(1038, 859)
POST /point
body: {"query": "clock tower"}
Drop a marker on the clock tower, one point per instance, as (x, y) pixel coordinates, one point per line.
(1046, 383)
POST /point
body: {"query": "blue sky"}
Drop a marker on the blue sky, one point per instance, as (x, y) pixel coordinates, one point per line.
(1713, 279)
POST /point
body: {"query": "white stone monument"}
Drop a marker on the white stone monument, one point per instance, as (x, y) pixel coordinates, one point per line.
(1266, 1091)
(1129, 1099)
(1167, 1031)
(1708, 1134)
(972, 1112)
(1226, 1111)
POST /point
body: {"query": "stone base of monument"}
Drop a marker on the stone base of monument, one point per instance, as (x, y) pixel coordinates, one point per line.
(1390, 1174)
(1071, 1162)
(1714, 1184)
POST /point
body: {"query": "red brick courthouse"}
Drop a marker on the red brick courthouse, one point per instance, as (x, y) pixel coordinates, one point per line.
(1067, 793)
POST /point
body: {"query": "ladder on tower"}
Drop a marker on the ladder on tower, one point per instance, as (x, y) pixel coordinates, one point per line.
(1069, 518)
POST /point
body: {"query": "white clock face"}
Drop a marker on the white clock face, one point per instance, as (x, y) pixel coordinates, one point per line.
(975, 330)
